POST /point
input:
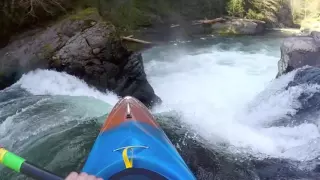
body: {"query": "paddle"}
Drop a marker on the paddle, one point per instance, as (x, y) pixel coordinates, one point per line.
(20, 165)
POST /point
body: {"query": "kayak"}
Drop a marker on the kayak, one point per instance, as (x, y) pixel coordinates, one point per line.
(132, 145)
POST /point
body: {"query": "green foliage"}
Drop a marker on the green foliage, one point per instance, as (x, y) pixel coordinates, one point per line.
(228, 31)
(305, 9)
(252, 9)
(132, 14)
(255, 15)
(198, 9)
(46, 51)
(83, 14)
(265, 6)
(311, 24)
(236, 8)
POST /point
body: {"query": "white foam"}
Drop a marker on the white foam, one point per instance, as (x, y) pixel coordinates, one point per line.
(217, 92)
(49, 82)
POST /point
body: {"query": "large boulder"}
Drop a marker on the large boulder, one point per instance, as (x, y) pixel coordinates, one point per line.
(239, 27)
(284, 16)
(33, 48)
(280, 15)
(297, 52)
(82, 45)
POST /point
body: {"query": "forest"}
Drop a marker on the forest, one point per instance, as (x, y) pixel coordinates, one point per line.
(18, 16)
(262, 9)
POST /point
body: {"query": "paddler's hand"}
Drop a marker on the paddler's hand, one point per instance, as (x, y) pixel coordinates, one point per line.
(81, 176)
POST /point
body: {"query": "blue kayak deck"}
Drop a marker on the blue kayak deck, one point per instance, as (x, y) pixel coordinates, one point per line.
(152, 150)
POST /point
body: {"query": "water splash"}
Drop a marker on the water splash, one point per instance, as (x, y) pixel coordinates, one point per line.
(49, 82)
(230, 95)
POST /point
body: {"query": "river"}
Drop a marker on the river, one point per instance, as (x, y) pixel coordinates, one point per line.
(221, 105)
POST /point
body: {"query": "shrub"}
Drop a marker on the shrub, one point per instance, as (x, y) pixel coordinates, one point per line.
(236, 8)
(255, 15)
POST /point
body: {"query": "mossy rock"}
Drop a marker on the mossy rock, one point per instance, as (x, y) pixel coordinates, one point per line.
(84, 19)
(46, 51)
(224, 30)
(227, 31)
(129, 15)
(85, 14)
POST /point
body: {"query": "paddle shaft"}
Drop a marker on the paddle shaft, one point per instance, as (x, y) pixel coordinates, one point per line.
(19, 164)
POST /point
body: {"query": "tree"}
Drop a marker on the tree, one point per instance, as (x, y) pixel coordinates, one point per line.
(305, 9)
(236, 8)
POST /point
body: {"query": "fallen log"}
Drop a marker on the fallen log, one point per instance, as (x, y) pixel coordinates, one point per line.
(131, 39)
(252, 20)
(256, 21)
(208, 21)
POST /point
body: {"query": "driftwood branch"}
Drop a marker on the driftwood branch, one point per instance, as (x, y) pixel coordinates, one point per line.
(131, 36)
(252, 20)
(256, 21)
(175, 25)
(131, 39)
(209, 21)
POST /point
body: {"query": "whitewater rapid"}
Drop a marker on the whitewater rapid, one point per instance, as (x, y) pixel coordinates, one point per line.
(226, 95)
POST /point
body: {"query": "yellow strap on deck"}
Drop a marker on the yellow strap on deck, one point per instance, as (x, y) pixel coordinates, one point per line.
(127, 162)
(2, 153)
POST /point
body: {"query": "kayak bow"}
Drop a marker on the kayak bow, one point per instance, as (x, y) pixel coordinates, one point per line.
(131, 145)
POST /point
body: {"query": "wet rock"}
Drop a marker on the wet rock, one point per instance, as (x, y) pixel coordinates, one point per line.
(98, 57)
(309, 79)
(132, 78)
(239, 26)
(105, 63)
(96, 51)
(284, 16)
(33, 49)
(297, 52)
(86, 47)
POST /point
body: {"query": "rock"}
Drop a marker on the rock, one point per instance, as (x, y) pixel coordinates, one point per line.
(122, 72)
(238, 26)
(96, 50)
(83, 46)
(284, 16)
(133, 79)
(297, 52)
(309, 79)
(32, 49)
